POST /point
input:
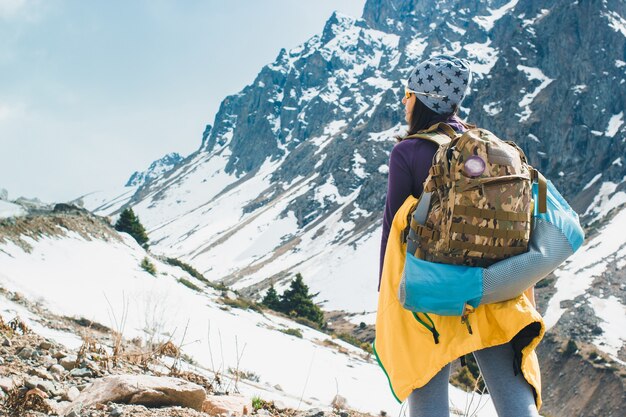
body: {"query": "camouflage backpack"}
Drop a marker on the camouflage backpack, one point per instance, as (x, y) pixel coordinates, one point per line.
(477, 203)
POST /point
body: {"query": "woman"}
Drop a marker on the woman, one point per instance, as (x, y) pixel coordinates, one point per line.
(505, 334)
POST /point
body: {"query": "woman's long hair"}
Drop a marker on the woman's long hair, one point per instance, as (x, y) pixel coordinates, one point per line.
(422, 118)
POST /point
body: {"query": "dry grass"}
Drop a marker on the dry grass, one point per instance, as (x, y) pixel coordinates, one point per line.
(19, 400)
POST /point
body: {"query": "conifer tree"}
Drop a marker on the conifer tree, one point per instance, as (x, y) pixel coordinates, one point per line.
(297, 301)
(129, 223)
(271, 299)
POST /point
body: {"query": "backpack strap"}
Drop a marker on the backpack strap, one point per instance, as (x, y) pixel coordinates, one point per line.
(439, 133)
(542, 188)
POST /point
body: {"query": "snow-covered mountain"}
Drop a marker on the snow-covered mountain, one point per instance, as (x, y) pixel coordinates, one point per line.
(291, 174)
(156, 169)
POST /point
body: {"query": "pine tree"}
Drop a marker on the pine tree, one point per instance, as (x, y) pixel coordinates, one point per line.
(297, 301)
(129, 223)
(271, 299)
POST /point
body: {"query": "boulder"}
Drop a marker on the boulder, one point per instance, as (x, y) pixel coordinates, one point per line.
(232, 405)
(147, 390)
(6, 383)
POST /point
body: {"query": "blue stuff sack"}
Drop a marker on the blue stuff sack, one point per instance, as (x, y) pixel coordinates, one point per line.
(430, 287)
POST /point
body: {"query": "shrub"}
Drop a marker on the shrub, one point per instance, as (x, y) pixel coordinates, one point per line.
(355, 342)
(249, 375)
(243, 304)
(194, 273)
(129, 223)
(292, 332)
(362, 325)
(571, 348)
(257, 403)
(544, 283)
(189, 284)
(148, 266)
(464, 379)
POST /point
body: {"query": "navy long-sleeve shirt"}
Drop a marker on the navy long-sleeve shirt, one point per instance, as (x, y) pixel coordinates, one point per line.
(409, 163)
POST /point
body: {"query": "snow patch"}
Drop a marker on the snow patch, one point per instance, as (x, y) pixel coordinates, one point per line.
(606, 200)
(493, 108)
(482, 56)
(533, 138)
(456, 29)
(358, 164)
(616, 121)
(529, 22)
(612, 314)
(487, 22)
(8, 209)
(593, 181)
(386, 135)
(531, 74)
(415, 49)
(335, 127)
(379, 82)
(616, 22)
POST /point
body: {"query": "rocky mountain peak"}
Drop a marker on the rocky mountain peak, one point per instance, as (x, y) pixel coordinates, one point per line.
(156, 168)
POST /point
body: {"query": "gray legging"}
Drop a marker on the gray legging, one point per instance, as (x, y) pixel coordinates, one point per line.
(511, 394)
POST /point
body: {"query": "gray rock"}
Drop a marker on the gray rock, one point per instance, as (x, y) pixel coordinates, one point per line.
(47, 387)
(1, 361)
(81, 372)
(339, 402)
(278, 387)
(73, 413)
(45, 345)
(48, 361)
(58, 354)
(42, 373)
(115, 412)
(26, 352)
(68, 362)
(314, 412)
(57, 369)
(71, 394)
(32, 382)
(6, 342)
(263, 412)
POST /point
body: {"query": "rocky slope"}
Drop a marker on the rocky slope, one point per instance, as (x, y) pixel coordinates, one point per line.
(108, 376)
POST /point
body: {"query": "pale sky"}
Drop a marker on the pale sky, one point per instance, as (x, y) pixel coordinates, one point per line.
(91, 91)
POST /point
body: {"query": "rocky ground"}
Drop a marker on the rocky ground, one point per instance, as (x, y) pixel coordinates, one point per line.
(110, 377)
